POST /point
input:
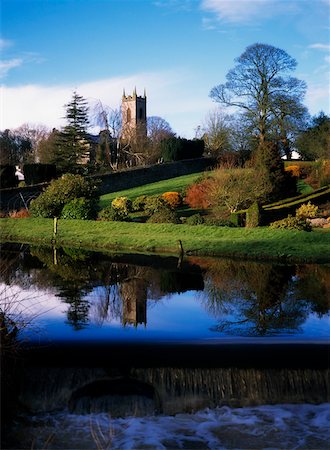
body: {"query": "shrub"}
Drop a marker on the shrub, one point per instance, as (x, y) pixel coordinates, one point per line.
(307, 211)
(164, 215)
(23, 213)
(253, 216)
(325, 174)
(195, 219)
(123, 204)
(236, 188)
(294, 170)
(153, 204)
(79, 208)
(60, 192)
(111, 214)
(218, 222)
(197, 194)
(291, 223)
(172, 199)
(139, 203)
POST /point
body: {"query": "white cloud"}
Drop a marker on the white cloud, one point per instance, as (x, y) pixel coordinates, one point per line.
(317, 99)
(318, 46)
(169, 95)
(245, 11)
(4, 43)
(6, 66)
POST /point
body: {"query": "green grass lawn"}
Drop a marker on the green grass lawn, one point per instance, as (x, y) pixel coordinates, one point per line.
(257, 243)
(178, 184)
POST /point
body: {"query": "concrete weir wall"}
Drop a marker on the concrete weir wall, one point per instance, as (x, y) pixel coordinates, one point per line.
(16, 198)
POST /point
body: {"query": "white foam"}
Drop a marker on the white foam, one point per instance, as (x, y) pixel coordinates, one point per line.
(266, 427)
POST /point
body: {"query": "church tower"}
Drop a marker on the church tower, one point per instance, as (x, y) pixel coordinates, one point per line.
(134, 116)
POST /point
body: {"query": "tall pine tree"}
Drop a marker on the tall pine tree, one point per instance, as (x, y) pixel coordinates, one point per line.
(72, 145)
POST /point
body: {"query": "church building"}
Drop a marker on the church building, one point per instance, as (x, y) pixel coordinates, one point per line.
(134, 116)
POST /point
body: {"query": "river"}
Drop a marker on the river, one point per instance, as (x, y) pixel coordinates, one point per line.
(148, 352)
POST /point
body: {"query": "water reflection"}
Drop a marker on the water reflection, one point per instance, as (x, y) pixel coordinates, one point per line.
(251, 299)
(235, 298)
(83, 295)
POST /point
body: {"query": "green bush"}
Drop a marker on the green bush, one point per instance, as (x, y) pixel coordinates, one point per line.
(325, 173)
(164, 215)
(291, 223)
(112, 214)
(253, 216)
(218, 222)
(79, 208)
(60, 192)
(153, 204)
(195, 219)
(139, 203)
(238, 218)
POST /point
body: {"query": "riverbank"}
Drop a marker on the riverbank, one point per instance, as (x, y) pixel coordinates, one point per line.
(248, 243)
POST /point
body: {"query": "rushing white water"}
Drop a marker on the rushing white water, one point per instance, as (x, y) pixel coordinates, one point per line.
(263, 427)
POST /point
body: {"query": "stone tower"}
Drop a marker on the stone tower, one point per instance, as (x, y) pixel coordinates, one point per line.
(134, 116)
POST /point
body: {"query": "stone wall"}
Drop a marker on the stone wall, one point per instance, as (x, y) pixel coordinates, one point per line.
(15, 198)
(118, 181)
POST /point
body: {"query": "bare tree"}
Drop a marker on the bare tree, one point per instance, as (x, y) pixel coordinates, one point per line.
(254, 85)
(216, 132)
(158, 129)
(134, 148)
(110, 122)
(35, 133)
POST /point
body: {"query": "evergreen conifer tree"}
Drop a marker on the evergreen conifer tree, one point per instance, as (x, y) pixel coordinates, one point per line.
(278, 184)
(72, 145)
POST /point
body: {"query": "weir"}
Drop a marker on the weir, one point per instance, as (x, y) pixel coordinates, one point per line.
(166, 390)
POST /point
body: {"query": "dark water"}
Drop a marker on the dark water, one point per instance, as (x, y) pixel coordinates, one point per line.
(137, 351)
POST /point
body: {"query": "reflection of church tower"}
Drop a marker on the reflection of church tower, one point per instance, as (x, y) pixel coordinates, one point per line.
(134, 296)
(134, 116)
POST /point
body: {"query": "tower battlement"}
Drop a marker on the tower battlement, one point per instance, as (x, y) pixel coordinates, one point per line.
(134, 115)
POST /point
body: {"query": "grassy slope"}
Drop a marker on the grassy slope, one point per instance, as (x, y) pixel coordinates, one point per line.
(178, 184)
(258, 243)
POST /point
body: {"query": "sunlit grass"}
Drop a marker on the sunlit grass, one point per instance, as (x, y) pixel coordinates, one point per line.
(178, 184)
(257, 243)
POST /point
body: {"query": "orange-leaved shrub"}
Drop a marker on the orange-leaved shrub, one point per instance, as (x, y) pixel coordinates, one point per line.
(172, 199)
(197, 194)
(23, 213)
(294, 170)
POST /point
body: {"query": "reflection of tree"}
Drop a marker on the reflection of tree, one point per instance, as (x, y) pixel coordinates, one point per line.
(106, 302)
(313, 285)
(253, 299)
(77, 313)
(247, 298)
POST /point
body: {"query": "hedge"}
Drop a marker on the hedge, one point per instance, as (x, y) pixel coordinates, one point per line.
(39, 173)
(8, 178)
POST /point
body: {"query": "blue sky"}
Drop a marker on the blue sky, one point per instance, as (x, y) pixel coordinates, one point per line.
(176, 49)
